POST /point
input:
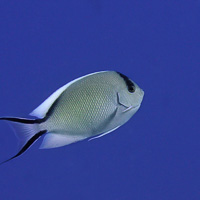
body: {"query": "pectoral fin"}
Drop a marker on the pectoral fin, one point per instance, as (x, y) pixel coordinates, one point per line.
(98, 136)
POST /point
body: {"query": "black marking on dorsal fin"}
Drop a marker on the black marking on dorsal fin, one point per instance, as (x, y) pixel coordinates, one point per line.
(129, 83)
(32, 121)
(27, 145)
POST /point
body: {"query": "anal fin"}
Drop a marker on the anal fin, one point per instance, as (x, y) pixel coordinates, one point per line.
(53, 140)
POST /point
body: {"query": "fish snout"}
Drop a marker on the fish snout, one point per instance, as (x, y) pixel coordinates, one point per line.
(141, 92)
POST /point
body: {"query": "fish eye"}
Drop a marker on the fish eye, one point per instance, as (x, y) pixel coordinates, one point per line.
(131, 88)
(130, 85)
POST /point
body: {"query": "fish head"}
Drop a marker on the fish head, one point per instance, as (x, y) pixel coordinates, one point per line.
(129, 96)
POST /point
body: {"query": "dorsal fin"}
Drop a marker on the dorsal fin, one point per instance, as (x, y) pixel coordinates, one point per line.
(43, 108)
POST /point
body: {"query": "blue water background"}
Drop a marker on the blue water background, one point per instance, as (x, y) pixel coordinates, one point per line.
(156, 155)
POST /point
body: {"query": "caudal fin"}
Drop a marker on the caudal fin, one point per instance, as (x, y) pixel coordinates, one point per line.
(26, 130)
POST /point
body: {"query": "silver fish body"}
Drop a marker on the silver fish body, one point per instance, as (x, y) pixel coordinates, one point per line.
(87, 107)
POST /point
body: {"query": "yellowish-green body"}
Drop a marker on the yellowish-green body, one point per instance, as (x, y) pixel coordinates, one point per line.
(91, 105)
(86, 107)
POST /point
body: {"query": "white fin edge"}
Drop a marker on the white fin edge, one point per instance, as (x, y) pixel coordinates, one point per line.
(98, 136)
(43, 108)
(54, 140)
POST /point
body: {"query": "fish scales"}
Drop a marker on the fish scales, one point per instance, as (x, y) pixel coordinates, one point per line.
(88, 107)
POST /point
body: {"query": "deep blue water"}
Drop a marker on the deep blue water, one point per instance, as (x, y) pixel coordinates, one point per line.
(156, 155)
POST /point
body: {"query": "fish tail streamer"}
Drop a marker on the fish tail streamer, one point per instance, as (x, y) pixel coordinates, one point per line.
(27, 131)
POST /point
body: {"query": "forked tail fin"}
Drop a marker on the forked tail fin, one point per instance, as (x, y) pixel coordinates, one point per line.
(26, 130)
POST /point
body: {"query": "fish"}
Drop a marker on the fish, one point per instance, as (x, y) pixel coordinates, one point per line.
(88, 107)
